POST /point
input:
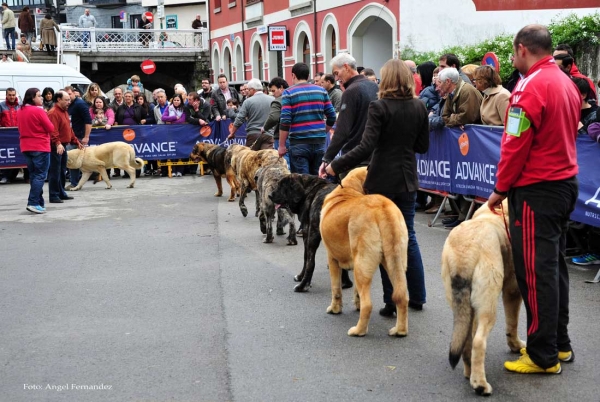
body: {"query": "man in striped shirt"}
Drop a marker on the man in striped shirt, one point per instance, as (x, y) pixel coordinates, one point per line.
(307, 115)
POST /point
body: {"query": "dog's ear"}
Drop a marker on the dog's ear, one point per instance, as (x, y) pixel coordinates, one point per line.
(77, 158)
(296, 190)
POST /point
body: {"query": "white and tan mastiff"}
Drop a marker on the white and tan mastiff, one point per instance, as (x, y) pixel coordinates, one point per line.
(101, 157)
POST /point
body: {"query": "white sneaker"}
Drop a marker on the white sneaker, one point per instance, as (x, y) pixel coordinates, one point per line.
(179, 174)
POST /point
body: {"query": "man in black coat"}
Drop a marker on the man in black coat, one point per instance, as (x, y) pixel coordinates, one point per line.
(220, 97)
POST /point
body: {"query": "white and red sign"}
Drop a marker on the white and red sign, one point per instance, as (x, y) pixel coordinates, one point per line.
(148, 66)
(149, 16)
(278, 38)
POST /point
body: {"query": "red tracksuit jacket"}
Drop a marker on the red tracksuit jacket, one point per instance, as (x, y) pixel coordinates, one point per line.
(538, 143)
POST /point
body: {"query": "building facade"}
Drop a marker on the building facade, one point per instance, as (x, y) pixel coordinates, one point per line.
(316, 31)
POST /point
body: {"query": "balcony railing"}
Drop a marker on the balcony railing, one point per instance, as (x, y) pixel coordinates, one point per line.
(133, 40)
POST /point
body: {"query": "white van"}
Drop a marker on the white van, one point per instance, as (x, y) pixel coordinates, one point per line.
(23, 76)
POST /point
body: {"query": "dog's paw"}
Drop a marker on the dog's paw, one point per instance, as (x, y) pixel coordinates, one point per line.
(334, 309)
(217, 194)
(481, 386)
(298, 278)
(268, 239)
(231, 199)
(292, 242)
(354, 331)
(395, 332)
(280, 232)
(130, 186)
(301, 288)
(347, 284)
(244, 211)
(74, 189)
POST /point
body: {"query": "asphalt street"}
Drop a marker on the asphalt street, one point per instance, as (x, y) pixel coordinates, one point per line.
(167, 293)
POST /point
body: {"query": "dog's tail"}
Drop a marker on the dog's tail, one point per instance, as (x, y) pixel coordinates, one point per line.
(463, 317)
(137, 163)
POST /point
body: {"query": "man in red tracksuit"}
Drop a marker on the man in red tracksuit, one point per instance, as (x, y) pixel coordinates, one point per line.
(537, 169)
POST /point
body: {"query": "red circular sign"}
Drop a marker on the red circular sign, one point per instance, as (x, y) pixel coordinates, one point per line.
(148, 66)
(490, 59)
(149, 16)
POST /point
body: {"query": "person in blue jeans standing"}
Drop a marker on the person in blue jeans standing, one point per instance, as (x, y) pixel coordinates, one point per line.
(307, 115)
(397, 127)
(34, 135)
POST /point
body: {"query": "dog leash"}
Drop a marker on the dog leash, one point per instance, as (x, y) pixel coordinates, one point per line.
(505, 224)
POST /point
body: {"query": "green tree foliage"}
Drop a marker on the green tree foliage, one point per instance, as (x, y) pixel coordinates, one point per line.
(577, 32)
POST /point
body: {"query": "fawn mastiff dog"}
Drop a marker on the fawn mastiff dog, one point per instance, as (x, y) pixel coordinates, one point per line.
(360, 232)
(476, 266)
(100, 157)
(303, 194)
(214, 156)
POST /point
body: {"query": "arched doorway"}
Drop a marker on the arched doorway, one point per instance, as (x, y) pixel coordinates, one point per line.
(306, 55)
(215, 63)
(257, 61)
(329, 41)
(239, 63)
(227, 63)
(371, 37)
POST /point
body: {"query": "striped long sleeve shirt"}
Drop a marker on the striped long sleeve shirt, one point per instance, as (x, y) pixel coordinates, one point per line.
(305, 110)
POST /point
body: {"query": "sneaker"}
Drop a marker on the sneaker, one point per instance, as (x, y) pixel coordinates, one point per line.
(148, 173)
(179, 174)
(524, 365)
(567, 357)
(3, 180)
(36, 209)
(300, 232)
(586, 259)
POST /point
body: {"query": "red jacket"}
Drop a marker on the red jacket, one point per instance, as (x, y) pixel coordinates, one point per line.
(8, 114)
(34, 129)
(576, 73)
(62, 132)
(543, 148)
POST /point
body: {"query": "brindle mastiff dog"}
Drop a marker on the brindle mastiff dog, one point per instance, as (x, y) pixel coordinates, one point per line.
(214, 156)
(303, 194)
(267, 178)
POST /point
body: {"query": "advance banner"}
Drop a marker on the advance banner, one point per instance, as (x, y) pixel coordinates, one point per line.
(155, 142)
(465, 162)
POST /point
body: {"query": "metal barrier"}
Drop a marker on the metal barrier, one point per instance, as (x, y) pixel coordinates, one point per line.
(133, 40)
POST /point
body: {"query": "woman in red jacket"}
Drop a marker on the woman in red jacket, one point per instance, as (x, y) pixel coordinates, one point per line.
(34, 134)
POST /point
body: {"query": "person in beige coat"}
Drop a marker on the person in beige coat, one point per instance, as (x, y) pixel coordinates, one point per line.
(463, 102)
(8, 26)
(495, 97)
(47, 26)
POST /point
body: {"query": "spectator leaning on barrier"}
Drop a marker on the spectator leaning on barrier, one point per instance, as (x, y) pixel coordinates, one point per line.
(413, 69)
(430, 95)
(220, 97)
(495, 97)
(537, 171)
(8, 26)
(161, 105)
(355, 100)
(118, 99)
(464, 101)
(197, 111)
(588, 111)
(335, 94)
(61, 136)
(254, 113)
(108, 116)
(307, 117)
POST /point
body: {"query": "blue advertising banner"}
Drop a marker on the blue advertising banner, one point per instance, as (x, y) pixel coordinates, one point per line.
(464, 162)
(164, 141)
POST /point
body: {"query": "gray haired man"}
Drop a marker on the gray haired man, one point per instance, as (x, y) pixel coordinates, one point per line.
(254, 113)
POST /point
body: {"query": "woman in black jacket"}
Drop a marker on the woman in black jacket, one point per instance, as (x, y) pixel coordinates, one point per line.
(397, 127)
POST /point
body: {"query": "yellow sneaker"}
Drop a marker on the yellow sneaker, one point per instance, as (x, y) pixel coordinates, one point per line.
(524, 365)
(567, 357)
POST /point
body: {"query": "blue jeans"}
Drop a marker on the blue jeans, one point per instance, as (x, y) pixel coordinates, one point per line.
(287, 146)
(306, 158)
(85, 37)
(56, 174)
(415, 275)
(37, 163)
(10, 32)
(74, 174)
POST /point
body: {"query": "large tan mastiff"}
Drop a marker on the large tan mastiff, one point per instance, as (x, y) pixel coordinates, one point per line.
(101, 157)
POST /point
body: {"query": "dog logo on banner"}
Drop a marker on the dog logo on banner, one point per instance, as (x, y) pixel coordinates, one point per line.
(463, 144)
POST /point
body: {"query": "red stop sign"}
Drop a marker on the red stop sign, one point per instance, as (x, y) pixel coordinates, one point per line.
(148, 66)
(149, 16)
